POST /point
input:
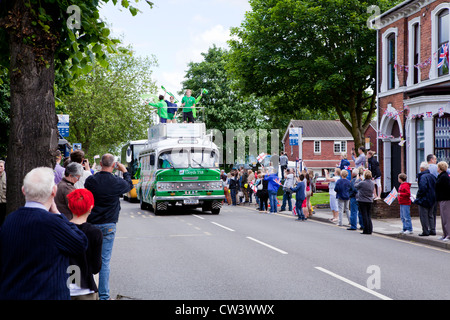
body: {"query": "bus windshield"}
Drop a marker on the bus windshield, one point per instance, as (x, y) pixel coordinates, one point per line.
(182, 158)
(173, 159)
(204, 159)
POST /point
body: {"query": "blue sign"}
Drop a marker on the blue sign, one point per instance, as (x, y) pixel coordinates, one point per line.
(293, 136)
(63, 125)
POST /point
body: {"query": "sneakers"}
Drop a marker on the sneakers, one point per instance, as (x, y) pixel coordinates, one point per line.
(445, 239)
(407, 232)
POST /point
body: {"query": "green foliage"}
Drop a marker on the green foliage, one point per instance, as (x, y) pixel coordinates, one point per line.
(43, 24)
(4, 112)
(310, 54)
(106, 110)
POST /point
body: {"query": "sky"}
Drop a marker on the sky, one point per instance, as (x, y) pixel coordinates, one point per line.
(176, 32)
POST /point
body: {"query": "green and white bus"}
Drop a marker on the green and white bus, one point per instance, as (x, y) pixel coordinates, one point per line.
(179, 169)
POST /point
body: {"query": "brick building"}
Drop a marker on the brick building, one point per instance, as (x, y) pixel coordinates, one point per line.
(323, 141)
(413, 87)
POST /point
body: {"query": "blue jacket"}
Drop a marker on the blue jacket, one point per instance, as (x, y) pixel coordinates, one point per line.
(353, 191)
(299, 190)
(342, 189)
(107, 188)
(426, 195)
(171, 107)
(273, 185)
(35, 246)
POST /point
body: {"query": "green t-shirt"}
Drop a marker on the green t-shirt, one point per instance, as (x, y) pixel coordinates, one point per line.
(189, 102)
(162, 108)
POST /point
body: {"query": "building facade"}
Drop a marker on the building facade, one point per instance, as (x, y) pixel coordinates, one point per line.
(322, 143)
(413, 84)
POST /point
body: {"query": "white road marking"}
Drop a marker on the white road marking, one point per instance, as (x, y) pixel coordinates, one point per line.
(198, 217)
(267, 245)
(219, 225)
(379, 295)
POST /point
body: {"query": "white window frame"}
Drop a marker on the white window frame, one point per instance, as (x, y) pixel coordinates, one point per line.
(341, 143)
(320, 146)
(434, 38)
(385, 53)
(411, 47)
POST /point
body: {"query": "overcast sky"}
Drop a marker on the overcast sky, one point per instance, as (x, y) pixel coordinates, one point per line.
(175, 31)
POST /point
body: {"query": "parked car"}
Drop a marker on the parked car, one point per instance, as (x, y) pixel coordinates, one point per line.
(322, 184)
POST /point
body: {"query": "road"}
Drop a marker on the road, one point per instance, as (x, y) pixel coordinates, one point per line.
(244, 255)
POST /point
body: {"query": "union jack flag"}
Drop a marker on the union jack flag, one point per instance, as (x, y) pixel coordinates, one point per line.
(441, 112)
(391, 197)
(443, 55)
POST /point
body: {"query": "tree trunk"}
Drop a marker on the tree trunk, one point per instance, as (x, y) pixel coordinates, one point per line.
(33, 137)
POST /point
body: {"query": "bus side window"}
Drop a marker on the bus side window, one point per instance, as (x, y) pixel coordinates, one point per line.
(152, 159)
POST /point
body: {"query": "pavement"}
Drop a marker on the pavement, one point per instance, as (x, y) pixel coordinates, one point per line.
(388, 227)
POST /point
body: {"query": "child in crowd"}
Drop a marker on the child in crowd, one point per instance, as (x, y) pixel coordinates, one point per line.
(81, 202)
(300, 196)
(404, 199)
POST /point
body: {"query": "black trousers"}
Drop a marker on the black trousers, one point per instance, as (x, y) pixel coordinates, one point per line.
(2, 213)
(188, 116)
(366, 209)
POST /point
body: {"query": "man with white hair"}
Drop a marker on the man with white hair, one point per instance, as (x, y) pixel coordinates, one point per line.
(36, 242)
(72, 174)
(426, 199)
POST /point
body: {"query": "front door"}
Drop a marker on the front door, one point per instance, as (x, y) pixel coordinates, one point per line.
(396, 164)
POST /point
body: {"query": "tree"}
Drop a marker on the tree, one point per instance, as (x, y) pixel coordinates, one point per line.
(107, 110)
(37, 37)
(310, 54)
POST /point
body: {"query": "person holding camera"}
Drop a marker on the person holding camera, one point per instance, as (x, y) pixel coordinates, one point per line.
(78, 156)
(361, 160)
(107, 189)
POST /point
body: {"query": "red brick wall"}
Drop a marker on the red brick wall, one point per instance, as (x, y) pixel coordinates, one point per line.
(397, 99)
(327, 150)
(402, 41)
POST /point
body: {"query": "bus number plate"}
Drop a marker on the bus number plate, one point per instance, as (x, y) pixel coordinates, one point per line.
(190, 201)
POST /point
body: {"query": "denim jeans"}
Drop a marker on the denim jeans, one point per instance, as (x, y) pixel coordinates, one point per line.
(287, 196)
(343, 206)
(354, 212)
(233, 196)
(405, 216)
(273, 201)
(109, 233)
(298, 208)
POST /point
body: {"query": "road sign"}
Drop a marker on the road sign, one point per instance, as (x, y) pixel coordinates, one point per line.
(63, 125)
(294, 136)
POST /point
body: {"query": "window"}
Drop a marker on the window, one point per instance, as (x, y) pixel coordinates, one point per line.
(340, 146)
(416, 51)
(443, 39)
(391, 61)
(420, 143)
(317, 146)
(442, 138)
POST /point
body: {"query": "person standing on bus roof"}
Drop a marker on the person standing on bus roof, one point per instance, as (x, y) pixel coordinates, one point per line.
(172, 109)
(188, 104)
(161, 106)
